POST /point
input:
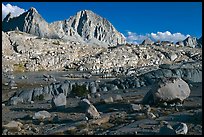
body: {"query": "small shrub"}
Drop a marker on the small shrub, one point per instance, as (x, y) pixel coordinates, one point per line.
(19, 67)
(56, 43)
(80, 91)
(39, 98)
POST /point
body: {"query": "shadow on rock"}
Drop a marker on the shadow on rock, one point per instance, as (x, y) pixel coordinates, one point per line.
(113, 106)
(187, 118)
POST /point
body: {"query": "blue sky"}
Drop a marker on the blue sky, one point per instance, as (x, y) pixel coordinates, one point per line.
(136, 20)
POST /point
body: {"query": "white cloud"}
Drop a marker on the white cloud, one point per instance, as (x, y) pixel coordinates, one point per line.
(134, 38)
(15, 10)
(168, 36)
(162, 36)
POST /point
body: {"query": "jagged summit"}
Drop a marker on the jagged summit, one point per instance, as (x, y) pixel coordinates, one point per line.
(32, 9)
(190, 42)
(9, 15)
(92, 27)
(85, 11)
(85, 25)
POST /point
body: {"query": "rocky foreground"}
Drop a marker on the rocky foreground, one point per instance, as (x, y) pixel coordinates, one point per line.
(92, 83)
(127, 89)
(147, 110)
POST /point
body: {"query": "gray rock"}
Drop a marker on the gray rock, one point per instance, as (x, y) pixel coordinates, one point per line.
(59, 101)
(151, 115)
(47, 97)
(97, 95)
(12, 83)
(84, 103)
(118, 98)
(26, 95)
(87, 76)
(24, 77)
(37, 92)
(181, 128)
(104, 89)
(107, 100)
(81, 68)
(165, 104)
(15, 100)
(65, 88)
(41, 115)
(147, 108)
(167, 90)
(112, 87)
(102, 120)
(135, 107)
(13, 125)
(11, 76)
(137, 83)
(6, 45)
(172, 56)
(192, 75)
(92, 112)
(167, 73)
(93, 89)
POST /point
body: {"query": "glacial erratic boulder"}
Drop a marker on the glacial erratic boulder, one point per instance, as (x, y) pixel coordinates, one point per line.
(59, 101)
(90, 110)
(167, 90)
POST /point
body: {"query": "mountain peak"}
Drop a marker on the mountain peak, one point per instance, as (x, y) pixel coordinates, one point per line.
(85, 11)
(85, 25)
(92, 27)
(32, 10)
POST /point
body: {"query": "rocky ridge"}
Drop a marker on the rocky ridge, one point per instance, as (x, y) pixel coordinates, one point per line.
(84, 26)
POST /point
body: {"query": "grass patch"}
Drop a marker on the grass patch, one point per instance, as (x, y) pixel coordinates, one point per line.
(79, 90)
(39, 98)
(56, 43)
(19, 67)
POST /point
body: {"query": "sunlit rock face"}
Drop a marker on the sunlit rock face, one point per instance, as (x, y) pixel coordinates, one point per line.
(84, 26)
